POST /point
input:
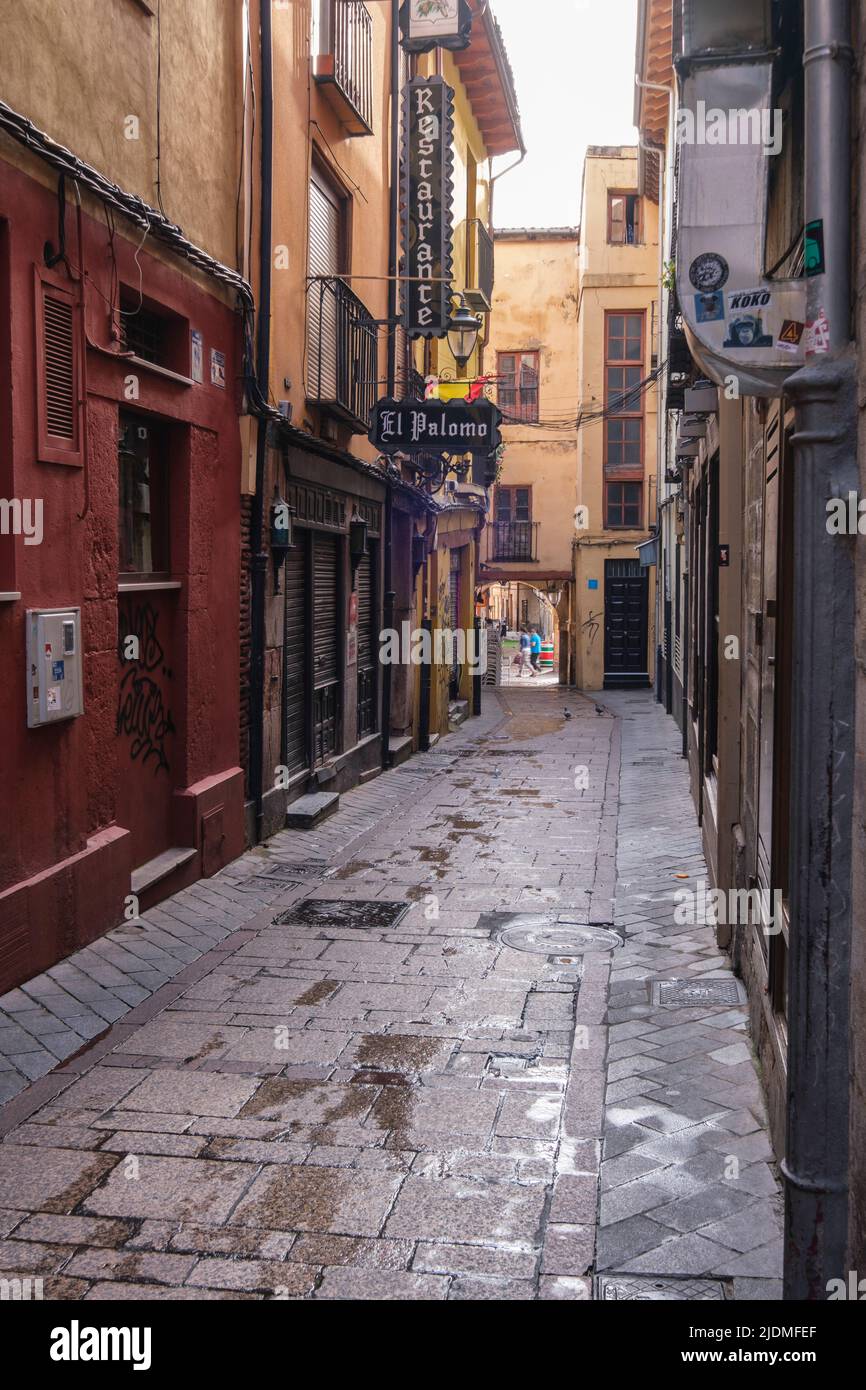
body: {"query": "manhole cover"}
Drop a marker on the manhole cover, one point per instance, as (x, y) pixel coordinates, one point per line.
(695, 992)
(559, 939)
(650, 1290)
(332, 912)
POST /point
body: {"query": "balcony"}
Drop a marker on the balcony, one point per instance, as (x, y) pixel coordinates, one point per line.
(512, 541)
(343, 64)
(479, 267)
(342, 357)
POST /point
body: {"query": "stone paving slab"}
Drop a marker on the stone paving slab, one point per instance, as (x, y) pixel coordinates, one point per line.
(322, 1109)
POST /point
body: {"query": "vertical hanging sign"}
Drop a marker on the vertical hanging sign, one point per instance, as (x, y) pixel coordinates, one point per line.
(428, 163)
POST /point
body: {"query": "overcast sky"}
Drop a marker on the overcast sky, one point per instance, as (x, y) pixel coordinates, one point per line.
(573, 64)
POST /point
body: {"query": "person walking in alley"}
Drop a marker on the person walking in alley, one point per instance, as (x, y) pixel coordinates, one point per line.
(535, 649)
(525, 653)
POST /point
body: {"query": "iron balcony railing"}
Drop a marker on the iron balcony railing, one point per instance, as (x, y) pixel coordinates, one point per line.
(342, 357)
(344, 64)
(512, 540)
(479, 290)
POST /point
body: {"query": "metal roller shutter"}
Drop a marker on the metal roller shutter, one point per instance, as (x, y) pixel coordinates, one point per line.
(326, 637)
(367, 655)
(295, 580)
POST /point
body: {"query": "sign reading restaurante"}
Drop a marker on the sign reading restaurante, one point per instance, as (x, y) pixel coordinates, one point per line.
(428, 128)
(449, 427)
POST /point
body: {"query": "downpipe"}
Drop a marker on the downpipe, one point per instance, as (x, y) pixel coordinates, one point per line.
(258, 557)
(815, 1168)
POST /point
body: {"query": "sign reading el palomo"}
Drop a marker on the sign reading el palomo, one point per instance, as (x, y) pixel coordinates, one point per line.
(455, 427)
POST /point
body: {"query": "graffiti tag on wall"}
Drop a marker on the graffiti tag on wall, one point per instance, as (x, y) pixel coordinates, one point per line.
(141, 710)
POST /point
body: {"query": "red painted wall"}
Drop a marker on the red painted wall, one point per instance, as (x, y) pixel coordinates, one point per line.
(79, 811)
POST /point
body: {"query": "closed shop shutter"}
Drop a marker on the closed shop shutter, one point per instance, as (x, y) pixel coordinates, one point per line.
(325, 236)
(326, 637)
(367, 685)
(454, 623)
(364, 585)
(296, 657)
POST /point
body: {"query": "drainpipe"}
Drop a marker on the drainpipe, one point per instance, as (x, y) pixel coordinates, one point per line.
(815, 1168)
(258, 556)
(393, 217)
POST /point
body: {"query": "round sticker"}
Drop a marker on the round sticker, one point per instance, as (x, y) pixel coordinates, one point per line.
(708, 271)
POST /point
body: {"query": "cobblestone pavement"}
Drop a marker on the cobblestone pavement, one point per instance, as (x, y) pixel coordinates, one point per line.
(407, 1106)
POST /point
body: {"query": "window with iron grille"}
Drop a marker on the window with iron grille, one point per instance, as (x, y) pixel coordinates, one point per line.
(343, 61)
(517, 373)
(153, 333)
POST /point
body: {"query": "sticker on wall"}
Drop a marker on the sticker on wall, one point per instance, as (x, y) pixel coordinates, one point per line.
(818, 334)
(709, 272)
(197, 355)
(814, 248)
(749, 299)
(709, 308)
(58, 671)
(592, 583)
(52, 697)
(747, 331)
(790, 335)
(218, 369)
(724, 555)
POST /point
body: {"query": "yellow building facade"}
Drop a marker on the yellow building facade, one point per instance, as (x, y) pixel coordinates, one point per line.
(611, 620)
(526, 552)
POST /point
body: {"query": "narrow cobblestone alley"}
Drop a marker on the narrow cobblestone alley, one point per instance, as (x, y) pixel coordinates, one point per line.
(450, 1044)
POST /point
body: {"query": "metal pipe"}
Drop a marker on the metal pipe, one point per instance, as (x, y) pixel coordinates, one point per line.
(815, 1168)
(258, 557)
(394, 208)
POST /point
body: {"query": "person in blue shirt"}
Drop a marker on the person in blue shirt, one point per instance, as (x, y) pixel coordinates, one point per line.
(535, 648)
(525, 663)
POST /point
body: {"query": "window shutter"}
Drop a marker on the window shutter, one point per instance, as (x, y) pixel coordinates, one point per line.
(325, 235)
(58, 372)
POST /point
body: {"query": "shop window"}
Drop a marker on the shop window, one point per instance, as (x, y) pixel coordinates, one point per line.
(623, 219)
(143, 496)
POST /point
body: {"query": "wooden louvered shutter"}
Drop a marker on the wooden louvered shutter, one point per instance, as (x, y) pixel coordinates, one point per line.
(59, 371)
(325, 235)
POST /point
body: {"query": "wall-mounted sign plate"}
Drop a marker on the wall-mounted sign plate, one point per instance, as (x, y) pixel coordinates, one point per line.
(442, 427)
(429, 24)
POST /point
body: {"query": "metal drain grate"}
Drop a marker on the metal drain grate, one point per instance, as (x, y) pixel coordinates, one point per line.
(333, 912)
(726, 992)
(280, 873)
(629, 1287)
